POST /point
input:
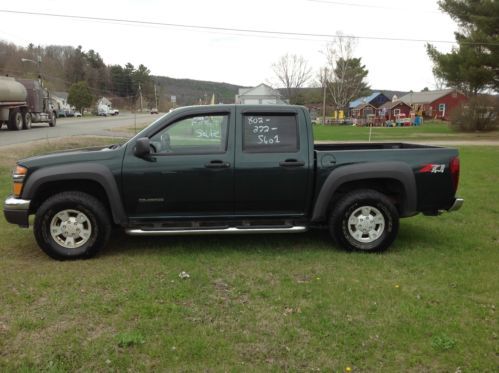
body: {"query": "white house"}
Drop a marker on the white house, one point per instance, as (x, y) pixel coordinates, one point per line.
(261, 94)
(60, 101)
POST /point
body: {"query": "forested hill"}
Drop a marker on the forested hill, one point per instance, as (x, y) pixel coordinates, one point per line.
(63, 66)
(190, 92)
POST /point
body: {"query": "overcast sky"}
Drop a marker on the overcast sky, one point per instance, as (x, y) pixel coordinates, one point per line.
(234, 57)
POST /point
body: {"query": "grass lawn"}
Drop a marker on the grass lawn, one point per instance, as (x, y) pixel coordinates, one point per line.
(257, 303)
(431, 130)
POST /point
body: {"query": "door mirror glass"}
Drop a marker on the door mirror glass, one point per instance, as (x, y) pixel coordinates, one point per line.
(142, 147)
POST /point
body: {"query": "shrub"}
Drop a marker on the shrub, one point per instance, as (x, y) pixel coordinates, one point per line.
(480, 113)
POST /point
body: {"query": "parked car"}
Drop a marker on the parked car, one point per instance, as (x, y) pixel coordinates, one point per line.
(77, 114)
(255, 170)
(154, 110)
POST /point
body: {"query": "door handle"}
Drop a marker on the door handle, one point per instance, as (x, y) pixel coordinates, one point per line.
(291, 163)
(217, 163)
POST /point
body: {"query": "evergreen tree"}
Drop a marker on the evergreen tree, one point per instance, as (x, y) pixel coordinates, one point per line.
(473, 66)
(80, 96)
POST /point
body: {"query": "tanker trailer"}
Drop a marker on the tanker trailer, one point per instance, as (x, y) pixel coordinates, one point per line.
(23, 102)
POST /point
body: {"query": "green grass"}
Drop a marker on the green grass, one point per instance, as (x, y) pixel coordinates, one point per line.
(431, 130)
(256, 303)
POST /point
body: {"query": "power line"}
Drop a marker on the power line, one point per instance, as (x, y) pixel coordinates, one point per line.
(260, 33)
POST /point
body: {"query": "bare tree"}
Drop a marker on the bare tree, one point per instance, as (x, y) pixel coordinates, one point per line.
(345, 74)
(292, 72)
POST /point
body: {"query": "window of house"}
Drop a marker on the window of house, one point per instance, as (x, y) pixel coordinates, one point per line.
(396, 111)
(270, 133)
(441, 107)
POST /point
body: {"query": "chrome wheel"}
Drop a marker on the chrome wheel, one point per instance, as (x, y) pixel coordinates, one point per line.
(366, 224)
(70, 228)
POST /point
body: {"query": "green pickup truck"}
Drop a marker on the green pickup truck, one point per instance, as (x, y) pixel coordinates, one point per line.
(229, 169)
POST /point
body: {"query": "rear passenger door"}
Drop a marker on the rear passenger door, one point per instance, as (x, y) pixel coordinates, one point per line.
(273, 165)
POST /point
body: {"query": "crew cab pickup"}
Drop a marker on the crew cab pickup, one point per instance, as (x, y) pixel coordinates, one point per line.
(228, 169)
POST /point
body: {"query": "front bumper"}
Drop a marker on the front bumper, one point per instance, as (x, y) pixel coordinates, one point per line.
(16, 211)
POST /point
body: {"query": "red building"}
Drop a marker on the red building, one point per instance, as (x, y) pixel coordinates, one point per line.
(435, 104)
(363, 111)
(393, 109)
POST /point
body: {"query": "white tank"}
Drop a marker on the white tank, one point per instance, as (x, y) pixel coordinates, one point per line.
(11, 90)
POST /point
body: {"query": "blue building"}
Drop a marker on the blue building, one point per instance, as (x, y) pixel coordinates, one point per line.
(375, 99)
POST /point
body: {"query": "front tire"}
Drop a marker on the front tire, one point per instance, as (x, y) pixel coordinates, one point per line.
(72, 225)
(364, 220)
(53, 121)
(27, 120)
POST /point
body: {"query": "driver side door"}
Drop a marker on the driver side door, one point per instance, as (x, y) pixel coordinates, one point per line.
(190, 172)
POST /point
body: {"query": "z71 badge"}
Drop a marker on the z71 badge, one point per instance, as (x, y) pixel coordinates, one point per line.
(433, 168)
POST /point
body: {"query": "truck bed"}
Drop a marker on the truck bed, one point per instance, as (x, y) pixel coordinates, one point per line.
(368, 146)
(434, 190)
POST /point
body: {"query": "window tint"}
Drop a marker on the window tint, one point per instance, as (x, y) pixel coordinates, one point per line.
(200, 134)
(270, 133)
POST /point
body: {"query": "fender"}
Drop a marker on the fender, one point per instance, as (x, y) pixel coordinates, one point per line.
(399, 171)
(79, 171)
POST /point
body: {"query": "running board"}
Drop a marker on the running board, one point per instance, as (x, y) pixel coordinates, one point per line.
(230, 230)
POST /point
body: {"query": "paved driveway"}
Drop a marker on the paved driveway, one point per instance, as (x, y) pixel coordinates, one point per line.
(98, 126)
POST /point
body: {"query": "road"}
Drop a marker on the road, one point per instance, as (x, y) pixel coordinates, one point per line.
(97, 126)
(102, 126)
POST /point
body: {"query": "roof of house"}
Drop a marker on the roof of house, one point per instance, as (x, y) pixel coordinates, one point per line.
(61, 95)
(425, 97)
(365, 99)
(260, 90)
(104, 101)
(389, 105)
(363, 106)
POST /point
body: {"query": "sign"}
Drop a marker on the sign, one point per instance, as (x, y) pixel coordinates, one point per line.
(270, 133)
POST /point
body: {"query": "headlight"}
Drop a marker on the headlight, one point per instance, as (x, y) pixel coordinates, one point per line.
(18, 176)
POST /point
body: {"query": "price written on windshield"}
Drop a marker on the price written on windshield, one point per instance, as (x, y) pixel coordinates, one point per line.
(264, 131)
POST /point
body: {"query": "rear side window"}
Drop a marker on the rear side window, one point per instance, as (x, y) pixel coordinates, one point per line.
(270, 133)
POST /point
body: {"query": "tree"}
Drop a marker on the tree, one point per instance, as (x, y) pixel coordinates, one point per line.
(472, 66)
(292, 72)
(80, 96)
(75, 65)
(345, 75)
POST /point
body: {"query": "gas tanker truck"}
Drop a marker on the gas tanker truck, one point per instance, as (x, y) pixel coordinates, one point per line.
(24, 101)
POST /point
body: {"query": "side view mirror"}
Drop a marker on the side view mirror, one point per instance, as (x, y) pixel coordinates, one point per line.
(142, 147)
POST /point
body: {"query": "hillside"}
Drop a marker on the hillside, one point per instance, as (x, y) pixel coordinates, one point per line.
(192, 92)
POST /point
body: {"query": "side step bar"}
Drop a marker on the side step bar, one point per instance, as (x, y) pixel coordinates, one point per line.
(230, 230)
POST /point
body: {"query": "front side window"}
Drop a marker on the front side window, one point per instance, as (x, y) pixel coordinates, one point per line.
(270, 133)
(194, 135)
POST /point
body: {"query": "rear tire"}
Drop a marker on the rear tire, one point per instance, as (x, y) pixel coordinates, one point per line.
(27, 121)
(364, 220)
(15, 120)
(72, 225)
(53, 121)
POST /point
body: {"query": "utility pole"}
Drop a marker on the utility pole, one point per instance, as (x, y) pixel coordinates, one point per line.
(155, 98)
(38, 62)
(324, 83)
(140, 93)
